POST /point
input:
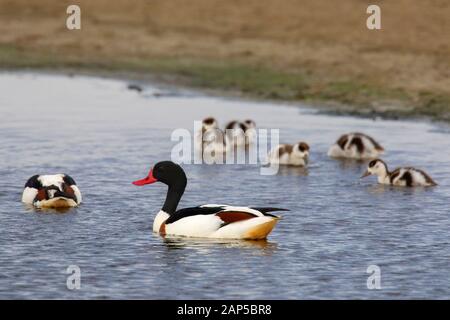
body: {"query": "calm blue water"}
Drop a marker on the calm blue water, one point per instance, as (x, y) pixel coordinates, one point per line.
(106, 136)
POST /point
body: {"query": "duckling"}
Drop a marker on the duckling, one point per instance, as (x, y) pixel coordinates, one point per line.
(293, 155)
(213, 142)
(405, 177)
(208, 124)
(355, 145)
(240, 134)
(235, 134)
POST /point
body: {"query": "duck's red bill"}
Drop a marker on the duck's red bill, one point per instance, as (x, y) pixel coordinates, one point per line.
(147, 180)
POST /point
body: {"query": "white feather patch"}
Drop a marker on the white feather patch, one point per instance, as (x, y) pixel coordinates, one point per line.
(28, 195)
(49, 180)
(77, 192)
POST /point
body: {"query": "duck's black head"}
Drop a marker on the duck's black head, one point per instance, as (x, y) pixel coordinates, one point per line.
(172, 175)
(166, 172)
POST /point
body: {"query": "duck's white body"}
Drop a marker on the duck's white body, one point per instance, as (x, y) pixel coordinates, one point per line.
(206, 221)
(355, 146)
(212, 225)
(292, 155)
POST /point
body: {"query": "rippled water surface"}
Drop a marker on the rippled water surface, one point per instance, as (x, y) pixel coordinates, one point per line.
(106, 136)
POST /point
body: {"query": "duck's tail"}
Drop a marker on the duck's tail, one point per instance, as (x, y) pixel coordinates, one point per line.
(262, 230)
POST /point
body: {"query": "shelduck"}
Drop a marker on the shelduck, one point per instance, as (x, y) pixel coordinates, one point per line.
(205, 221)
(405, 177)
(356, 146)
(51, 191)
(287, 154)
(235, 134)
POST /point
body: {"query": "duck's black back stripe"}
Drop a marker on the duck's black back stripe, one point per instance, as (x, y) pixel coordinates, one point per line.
(357, 141)
(265, 210)
(342, 141)
(394, 175)
(188, 212)
(408, 178)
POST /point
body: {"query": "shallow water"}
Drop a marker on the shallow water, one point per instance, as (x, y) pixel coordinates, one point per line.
(106, 136)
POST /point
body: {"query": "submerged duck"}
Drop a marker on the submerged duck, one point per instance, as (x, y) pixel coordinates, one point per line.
(51, 191)
(287, 154)
(356, 146)
(405, 177)
(206, 221)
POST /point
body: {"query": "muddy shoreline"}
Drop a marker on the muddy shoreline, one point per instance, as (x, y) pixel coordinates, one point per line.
(387, 112)
(302, 52)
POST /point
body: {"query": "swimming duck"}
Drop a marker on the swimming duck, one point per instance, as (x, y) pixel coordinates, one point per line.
(235, 134)
(405, 177)
(51, 191)
(240, 134)
(287, 154)
(210, 137)
(356, 146)
(206, 221)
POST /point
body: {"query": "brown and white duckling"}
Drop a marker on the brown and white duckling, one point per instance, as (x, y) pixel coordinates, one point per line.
(210, 137)
(235, 134)
(405, 177)
(214, 143)
(240, 134)
(51, 191)
(355, 145)
(293, 155)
